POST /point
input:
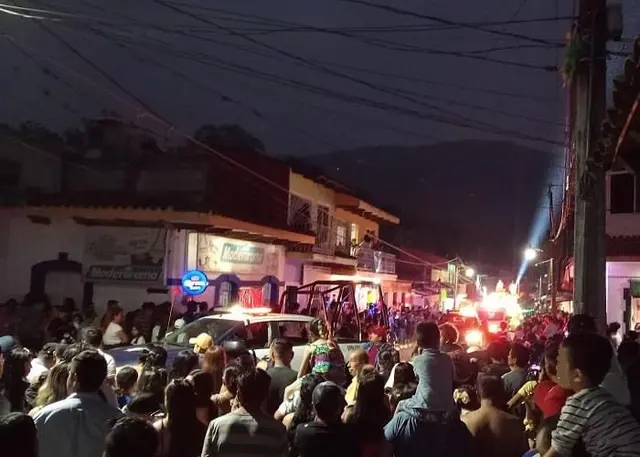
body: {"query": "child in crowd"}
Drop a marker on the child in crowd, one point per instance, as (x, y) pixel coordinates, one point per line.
(591, 416)
(126, 381)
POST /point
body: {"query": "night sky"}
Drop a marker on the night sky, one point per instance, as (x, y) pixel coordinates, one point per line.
(213, 70)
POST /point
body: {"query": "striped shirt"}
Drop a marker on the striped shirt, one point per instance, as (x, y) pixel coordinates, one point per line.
(605, 427)
(240, 434)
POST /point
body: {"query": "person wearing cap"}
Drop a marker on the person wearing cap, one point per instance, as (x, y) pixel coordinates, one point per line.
(202, 343)
(327, 435)
(43, 363)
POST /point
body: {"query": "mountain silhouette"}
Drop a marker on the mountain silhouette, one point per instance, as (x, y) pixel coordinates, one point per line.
(477, 199)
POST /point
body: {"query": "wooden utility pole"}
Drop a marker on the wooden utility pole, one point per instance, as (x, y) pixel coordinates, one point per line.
(590, 104)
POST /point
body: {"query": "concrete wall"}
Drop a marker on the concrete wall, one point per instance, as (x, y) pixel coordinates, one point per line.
(618, 276)
(310, 190)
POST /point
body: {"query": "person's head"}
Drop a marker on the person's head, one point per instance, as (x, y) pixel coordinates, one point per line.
(114, 314)
(371, 402)
(230, 377)
(404, 374)
(126, 380)
(518, 356)
(357, 359)
(203, 386)
(551, 360)
(47, 354)
(318, 329)
(73, 350)
(87, 372)
(328, 402)
(377, 334)
(491, 389)
(180, 400)
(18, 436)
(54, 387)
(153, 356)
(60, 350)
(202, 343)
(135, 331)
(428, 335)
(401, 392)
(613, 328)
(448, 334)
(581, 323)
(498, 352)
(153, 381)
(282, 351)
(214, 360)
(144, 406)
(92, 336)
(131, 437)
(147, 310)
(466, 398)
(185, 362)
(583, 361)
(17, 364)
(253, 388)
(543, 436)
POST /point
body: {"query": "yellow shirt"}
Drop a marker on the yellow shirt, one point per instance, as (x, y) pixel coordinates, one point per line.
(352, 392)
(527, 389)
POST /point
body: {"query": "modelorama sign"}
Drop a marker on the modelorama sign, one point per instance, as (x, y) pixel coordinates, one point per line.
(224, 255)
(121, 254)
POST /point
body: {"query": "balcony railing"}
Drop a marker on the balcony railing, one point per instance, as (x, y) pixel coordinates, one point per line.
(375, 261)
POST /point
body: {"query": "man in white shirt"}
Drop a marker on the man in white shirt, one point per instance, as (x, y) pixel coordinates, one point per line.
(76, 426)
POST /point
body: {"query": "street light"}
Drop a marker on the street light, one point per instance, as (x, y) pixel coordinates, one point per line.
(530, 254)
(469, 272)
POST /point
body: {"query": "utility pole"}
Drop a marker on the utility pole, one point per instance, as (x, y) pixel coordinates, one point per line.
(553, 286)
(590, 104)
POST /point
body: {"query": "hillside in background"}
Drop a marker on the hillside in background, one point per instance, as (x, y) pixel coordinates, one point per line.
(476, 199)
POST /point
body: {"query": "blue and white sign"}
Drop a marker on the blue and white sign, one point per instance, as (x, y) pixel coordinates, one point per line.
(194, 282)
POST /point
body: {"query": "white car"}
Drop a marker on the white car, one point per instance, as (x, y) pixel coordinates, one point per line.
(253, 330)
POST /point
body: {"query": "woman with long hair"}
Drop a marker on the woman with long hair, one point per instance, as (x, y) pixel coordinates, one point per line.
(152, 356)
(153, 381)
(54, 388)
(370, 415)
(304, 412)
(181, 433)
(213, 362)
(203, 385)
(185, 362)
(112, 332)
(229, 389)
(13, 384)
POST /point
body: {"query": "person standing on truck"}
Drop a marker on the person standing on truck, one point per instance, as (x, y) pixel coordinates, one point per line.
(323, 356)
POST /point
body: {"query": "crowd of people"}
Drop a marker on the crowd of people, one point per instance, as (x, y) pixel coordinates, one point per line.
(545, 393)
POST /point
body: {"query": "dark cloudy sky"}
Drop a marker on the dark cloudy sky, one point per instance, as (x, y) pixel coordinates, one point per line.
(216, 69)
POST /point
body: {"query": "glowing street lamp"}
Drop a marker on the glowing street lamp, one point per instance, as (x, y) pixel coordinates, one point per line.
(469, 272)
(530, 254)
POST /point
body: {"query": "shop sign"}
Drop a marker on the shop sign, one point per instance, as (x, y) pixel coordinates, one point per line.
(234, 253)
(116, 254)
(194, 282)
(217, 255)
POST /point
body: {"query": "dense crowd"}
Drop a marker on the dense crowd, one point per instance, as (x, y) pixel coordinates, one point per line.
(545, 393)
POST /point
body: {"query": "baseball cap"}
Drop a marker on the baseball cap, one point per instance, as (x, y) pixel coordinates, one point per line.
(6, 344)
(202, 342)
(378, 330)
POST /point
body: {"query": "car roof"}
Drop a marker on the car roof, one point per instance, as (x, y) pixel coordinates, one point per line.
(262, 317)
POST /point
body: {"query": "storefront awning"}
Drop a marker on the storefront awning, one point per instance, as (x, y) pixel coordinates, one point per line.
(151, 217)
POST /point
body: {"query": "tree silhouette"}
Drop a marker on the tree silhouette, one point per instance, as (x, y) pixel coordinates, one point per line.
(228, 137)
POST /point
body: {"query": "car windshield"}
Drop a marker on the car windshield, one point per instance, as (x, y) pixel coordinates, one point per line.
(214, 327)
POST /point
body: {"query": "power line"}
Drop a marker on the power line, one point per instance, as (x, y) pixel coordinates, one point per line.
(326, 70)
(440, 20)
(341, 96)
